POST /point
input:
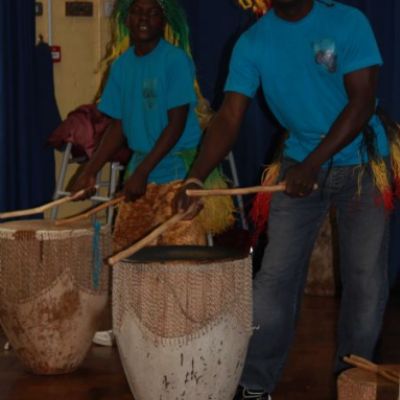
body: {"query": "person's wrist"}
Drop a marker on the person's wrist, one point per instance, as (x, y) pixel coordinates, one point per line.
(313, 166)
(90, 170)
(196, 181)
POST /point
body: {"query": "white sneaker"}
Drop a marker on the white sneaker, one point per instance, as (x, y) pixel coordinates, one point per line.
(104, 338)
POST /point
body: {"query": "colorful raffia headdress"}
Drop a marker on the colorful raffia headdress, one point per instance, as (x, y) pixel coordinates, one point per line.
(259, 7)
(176, 32)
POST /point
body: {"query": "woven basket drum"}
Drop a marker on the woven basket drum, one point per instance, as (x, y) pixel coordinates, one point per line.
(357, 384)
(51, 292)
(183, 326)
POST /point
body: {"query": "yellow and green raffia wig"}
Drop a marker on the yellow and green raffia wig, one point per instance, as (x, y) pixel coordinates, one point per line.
(217, 215)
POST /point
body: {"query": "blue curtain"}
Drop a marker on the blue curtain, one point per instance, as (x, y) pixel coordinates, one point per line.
(27, 167)
(385, 17)
(17, 116)
(215, 25)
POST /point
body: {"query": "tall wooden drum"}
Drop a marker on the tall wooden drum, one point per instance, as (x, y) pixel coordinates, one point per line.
(183, 324)
(52, 291)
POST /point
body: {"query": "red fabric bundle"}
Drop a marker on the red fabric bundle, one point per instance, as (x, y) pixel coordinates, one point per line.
(84, 128)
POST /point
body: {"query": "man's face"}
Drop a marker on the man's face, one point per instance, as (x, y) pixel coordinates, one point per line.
(145, 21)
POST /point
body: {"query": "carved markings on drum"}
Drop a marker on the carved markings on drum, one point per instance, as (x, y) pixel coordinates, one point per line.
(48, 306)
(186, 343)
(63, 308)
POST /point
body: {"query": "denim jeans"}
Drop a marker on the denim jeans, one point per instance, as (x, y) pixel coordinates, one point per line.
(278, 287)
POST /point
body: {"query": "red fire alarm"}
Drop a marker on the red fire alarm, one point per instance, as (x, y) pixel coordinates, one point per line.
(56, 53)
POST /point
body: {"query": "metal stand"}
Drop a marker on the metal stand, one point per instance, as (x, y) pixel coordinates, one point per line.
(239, 198)
(110, 183)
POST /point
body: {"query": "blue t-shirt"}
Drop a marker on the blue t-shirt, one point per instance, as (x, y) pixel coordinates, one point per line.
(139, 91)
(301, 66)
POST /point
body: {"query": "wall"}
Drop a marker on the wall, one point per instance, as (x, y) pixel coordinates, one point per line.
(83, 43)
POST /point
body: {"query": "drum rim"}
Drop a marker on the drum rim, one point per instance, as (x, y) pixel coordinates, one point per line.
(49, 227)
(231, 254)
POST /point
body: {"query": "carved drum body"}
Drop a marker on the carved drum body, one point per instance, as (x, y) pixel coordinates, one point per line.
(51, 292)
(183, 326)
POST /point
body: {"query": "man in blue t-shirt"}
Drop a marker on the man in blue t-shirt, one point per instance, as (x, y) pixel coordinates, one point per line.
(151, 97)
(317, 62)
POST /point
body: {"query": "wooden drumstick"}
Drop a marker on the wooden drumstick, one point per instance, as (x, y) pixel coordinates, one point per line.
(355, 361)
(238, 191)
(40, 209)
(92, 211)
(149, 238)
(235, 191)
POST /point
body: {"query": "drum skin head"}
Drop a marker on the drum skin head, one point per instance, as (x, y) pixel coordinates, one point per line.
(186, 253)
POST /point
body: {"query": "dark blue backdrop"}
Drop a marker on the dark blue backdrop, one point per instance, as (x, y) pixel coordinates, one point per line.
(27, 110)
(17, 36)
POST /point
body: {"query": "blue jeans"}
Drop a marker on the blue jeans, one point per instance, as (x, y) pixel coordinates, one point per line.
(278, 286)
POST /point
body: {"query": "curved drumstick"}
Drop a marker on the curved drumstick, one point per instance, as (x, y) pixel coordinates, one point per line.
(90, 212)
(149, 238)
(236, 191)
(281, 187)
(40, 209)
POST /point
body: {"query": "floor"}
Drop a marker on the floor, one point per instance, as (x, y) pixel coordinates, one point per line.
(306, 376)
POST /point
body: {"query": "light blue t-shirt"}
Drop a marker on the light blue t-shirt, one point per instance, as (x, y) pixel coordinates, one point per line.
(139, 91)
(300, 66)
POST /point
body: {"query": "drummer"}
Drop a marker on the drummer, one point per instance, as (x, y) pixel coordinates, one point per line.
(318, 64)
(151, 98)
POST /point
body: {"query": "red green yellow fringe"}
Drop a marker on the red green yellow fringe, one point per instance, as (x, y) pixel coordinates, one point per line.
(382, 183)
(388, 191)
(259, 212)
(259, 7)
(388, 182)
(395, 161)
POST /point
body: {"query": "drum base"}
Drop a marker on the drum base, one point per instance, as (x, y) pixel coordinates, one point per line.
(205, 367)
(52, 333)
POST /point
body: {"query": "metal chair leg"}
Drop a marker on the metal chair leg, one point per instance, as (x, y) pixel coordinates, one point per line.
(111, 183)
(239, 198)
(61, 179)
(114, 173)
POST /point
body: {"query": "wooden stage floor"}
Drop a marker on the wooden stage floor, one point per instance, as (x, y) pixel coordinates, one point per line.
(307, 375)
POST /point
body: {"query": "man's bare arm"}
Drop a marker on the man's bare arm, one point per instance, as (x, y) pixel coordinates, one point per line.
(361, 90)
(221, 135)
(217, 142)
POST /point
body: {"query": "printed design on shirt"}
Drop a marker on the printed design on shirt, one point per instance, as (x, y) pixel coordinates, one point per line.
(325, 54)
(149, 92)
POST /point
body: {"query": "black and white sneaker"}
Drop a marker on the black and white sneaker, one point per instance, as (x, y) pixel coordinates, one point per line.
(248, 394)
